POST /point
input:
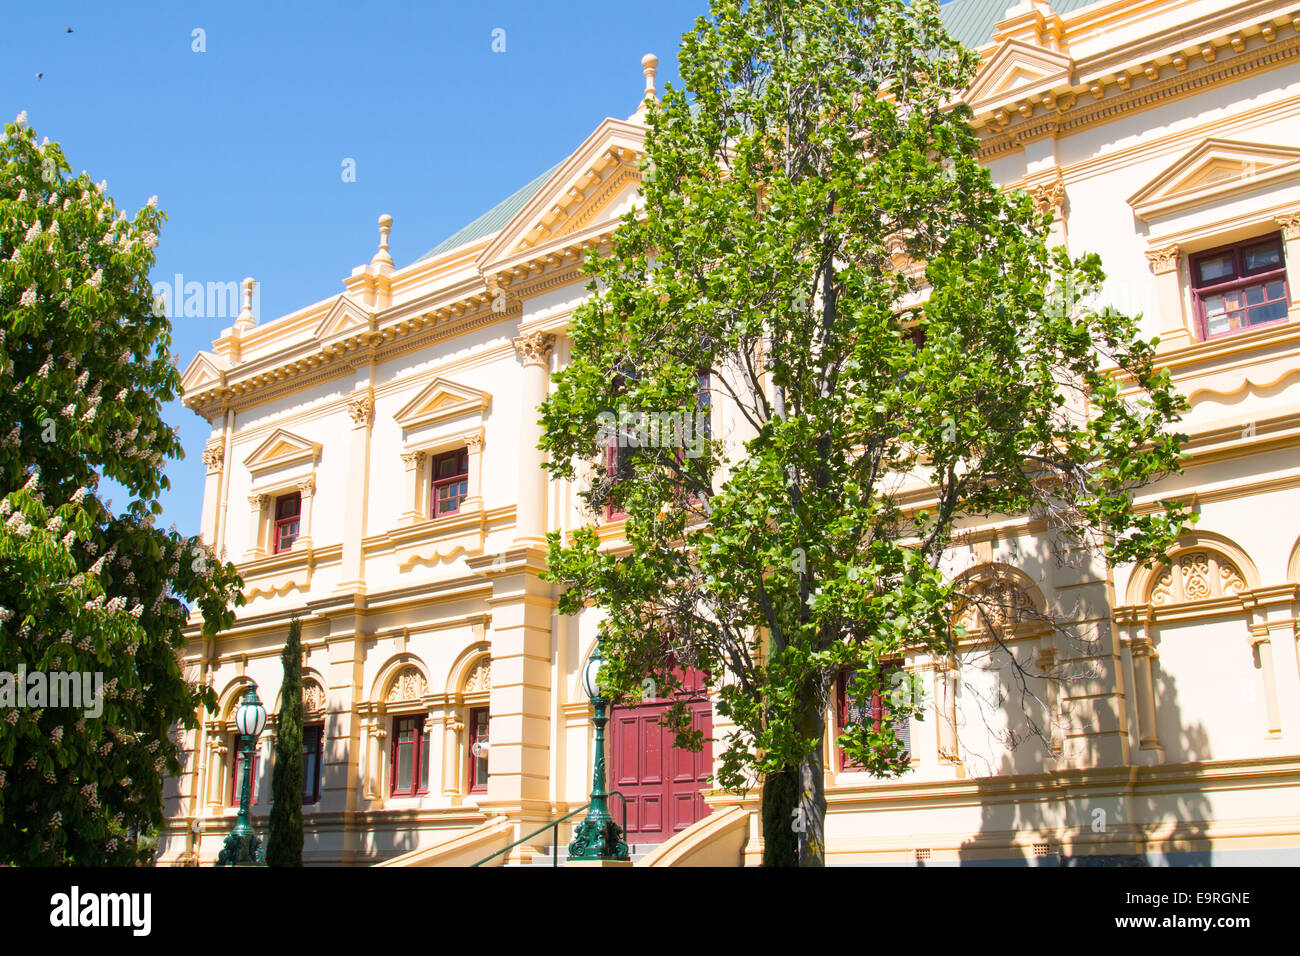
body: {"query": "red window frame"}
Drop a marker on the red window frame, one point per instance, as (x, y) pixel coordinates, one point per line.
(288, 516)
(477, 727)
(235, 778)
(879, 711)
(1242, 281)
(418, 755)
(313, 752)
(455, 482)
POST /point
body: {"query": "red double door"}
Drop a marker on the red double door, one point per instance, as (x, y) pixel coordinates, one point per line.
(662, 783)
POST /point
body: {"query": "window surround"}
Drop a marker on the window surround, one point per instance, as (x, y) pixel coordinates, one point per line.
(1239, 281)
(282, 464)
(1170, 256)
(879, 715)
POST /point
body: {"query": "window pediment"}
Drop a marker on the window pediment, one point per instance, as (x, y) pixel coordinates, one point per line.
(282, 449)
(344, 317)
(1016, 70)
(1216, 169)
(440, 401)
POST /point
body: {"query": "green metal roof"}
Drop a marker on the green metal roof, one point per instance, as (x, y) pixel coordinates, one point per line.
(968, 21)
(494, 219)
(971, 21)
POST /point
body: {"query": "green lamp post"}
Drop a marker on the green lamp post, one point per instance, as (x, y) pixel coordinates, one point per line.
(598, 837)
(242, 846)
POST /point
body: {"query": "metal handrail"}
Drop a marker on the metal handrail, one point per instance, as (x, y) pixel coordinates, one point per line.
(555, 838)
(553, 825)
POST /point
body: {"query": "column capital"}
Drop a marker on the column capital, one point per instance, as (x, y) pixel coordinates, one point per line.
(361, 410)
(307, 486)
(412, 459)
(1290, 223)
(534, 348)
(214, 456)
(256, 501)
(1163, 260)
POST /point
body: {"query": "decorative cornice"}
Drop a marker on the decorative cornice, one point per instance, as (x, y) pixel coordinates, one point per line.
(1004, 134)
(1290, 223)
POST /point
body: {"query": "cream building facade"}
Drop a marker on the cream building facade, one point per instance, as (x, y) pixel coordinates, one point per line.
(373, 470)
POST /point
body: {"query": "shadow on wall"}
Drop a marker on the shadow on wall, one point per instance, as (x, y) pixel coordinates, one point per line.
(1024, 812)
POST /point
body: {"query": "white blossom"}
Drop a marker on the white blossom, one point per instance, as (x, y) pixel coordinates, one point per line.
(21, 119)
(28, 297)
(96, 279)
(153, 202)
(33, 232)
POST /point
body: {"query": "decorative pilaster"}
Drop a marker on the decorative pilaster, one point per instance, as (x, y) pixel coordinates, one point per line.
(530, 517)
(1173, 325)
(1290, 223)
(413, 466)
(256, 510)
(474, 453)
(216, 766)
(214, 456)
(306, 493)
(451, 763)
(1144, 655)
(361, 411)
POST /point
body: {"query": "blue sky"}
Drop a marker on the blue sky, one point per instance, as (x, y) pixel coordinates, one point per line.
(244, 143)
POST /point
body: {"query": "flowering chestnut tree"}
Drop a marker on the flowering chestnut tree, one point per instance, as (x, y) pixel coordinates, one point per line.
(898, 350)
(84, 370)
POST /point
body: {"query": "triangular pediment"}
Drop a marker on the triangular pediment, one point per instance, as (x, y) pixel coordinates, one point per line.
(589, 190)
(1016, 70)
(203, 371)
(1213, 170)
(441, 400)
(344, 316)
(281, 448)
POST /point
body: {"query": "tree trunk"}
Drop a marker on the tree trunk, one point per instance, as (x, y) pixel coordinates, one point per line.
(810, 821)
(780, 804)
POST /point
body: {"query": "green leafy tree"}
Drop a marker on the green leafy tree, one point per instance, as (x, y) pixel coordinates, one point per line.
(896, 347)
(85, 368)
(284, 835)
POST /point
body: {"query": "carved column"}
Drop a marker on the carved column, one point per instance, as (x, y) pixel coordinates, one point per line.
(474, 491)
(413, 464)
(530, 517)
(1049, 199)
(1290, 223)
(451, 763)
(361, 410)
(1046, 662)
(216, 766)
(257, 508)
(306, 492)
(945, 702)
(1173, 325)
(214, 457)
(1144, 655)
(1263, 648)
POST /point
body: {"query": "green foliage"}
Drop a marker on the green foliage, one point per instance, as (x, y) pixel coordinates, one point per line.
(284, 835)
(85, 368)
(814, 197)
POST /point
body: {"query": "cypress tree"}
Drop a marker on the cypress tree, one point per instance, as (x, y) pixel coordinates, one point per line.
(284, 840)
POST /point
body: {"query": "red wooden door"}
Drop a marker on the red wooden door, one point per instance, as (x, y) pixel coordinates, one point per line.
(661, 782)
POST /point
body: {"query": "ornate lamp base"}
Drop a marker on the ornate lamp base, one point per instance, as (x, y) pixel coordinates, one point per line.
(597, 839)
(242, 849)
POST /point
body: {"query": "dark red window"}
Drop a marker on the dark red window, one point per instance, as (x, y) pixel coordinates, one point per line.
(313, 752)
(410, 757)
(478, 749)
(1240, 287)
(237, 778)
(450, 481)
(288, 509)
(877, 711)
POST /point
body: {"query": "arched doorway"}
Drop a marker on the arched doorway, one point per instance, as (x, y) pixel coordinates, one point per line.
(661, 782)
